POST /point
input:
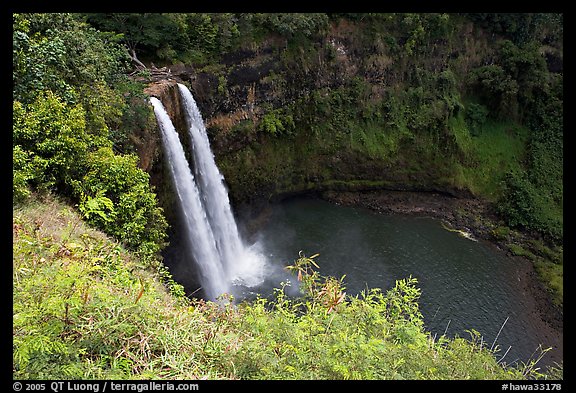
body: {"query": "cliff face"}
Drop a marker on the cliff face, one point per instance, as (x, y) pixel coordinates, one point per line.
(285, 120)
(362, 105)
(167, 92)
(328, 113)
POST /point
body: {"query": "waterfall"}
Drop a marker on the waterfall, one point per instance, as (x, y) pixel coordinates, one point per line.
(198, 228)
(216, 247)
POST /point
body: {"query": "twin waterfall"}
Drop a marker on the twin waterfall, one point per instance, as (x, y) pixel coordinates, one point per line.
(214, 242)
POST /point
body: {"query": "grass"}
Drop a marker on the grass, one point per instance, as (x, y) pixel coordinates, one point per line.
(498, 148)
(84, 308)
(376, 142)
(553, 275)
(548, 264)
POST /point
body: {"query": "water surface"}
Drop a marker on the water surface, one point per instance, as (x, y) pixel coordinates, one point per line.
(465, 284)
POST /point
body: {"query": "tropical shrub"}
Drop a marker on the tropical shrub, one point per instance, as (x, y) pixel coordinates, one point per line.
(50, 141)
(115, 196)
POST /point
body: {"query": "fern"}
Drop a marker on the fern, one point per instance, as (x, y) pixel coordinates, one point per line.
(99, 205)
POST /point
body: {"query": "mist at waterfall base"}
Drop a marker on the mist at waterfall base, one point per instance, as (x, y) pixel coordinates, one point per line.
(465, 285)
(211, 238)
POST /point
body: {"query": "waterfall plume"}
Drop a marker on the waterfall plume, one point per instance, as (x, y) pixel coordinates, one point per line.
(222, 259)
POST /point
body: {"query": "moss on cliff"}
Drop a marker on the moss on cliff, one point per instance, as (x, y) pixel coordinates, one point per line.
(405, 100)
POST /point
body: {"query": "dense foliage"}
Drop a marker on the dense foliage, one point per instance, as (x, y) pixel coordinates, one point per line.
(457, 102)
(393, 87)
(72, 105)
(201, 38)
(84, 308)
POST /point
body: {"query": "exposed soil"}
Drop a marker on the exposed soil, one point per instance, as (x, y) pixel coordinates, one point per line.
(477, 218)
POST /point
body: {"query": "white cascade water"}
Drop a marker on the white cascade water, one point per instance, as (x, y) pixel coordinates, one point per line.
(199, 231)
(242, 264)
(215, 243)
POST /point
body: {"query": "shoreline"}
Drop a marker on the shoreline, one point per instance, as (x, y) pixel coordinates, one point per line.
(477, 218)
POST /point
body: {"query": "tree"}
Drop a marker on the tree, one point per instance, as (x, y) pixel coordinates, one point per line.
(67, 94)
(115, 196)
(497, 88)
(150, 34)
(56, 52)
(50, 139)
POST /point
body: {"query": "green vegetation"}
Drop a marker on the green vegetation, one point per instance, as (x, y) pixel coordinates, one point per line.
(404, 101)
(201, 37)
(393, 88)
(498, 148)
(455, 102)
(86, 308)
(548, 263)
(274, 123)
(72, 107)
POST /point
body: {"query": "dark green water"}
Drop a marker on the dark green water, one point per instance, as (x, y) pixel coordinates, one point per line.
(465, 284)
